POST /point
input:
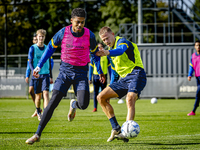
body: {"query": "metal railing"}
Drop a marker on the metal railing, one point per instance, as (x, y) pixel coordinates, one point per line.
(179, 33)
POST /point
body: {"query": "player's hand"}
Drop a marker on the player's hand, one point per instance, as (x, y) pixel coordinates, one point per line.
(90, 82)
(36, 71)
(51, 81)
(189, 78)
(99, 53)
(102, 78)
(26, 80)
(102, 52)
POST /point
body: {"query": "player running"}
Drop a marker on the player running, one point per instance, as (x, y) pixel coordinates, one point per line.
(77, 42)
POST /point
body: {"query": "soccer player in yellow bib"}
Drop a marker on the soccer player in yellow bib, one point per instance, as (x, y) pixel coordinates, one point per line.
(128, 64)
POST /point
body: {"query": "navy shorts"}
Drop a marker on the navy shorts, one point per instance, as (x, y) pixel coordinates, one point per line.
(133, 82)
(31, 82)
(41, 84)
(71, 75)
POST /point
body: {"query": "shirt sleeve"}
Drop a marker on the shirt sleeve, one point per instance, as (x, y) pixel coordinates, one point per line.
(30, 57)
(191, 69)
(93, 50)
(122, 46)
(28, 70)
(50, 69)
(52, 63)
(51, 47)
(91, 69)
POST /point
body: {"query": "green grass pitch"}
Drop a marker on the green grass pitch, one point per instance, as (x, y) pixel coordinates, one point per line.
(164, 125)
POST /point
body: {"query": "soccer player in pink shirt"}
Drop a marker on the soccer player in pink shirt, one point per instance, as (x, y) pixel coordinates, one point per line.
(77, 42)
(195, 66)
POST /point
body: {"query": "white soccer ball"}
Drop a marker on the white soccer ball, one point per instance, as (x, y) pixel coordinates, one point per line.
(154, 100)
(130, 129)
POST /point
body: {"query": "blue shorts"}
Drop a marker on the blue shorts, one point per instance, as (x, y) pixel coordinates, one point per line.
(31, 82)
(41, 84)
(133, 82)
(71, 75)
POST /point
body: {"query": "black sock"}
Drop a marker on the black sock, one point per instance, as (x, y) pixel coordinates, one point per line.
(38, 110)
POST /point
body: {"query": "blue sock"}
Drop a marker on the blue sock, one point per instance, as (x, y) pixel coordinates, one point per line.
(38, 110)
(114, 123)
(38, 130)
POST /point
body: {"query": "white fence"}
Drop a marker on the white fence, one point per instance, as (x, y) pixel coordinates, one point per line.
(166, 67)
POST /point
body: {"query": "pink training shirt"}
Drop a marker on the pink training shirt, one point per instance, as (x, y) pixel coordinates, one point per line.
(196, 64)
(75, 50)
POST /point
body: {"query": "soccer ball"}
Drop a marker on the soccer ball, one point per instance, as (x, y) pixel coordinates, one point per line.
(154, 100)
(130, 129)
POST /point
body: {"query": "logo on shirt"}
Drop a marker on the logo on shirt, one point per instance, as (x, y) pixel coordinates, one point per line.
(74, 46)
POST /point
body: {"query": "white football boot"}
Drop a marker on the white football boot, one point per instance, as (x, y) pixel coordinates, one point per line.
(33, 139)
(72, 111)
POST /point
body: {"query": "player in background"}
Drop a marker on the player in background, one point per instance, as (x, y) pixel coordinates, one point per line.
(195, 66)
(41, 84)
(128, 64)
(28, 71)
(106, 67)
(77, 43)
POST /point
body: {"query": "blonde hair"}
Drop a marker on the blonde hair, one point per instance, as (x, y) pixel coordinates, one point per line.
(41, 31)
(105, 29)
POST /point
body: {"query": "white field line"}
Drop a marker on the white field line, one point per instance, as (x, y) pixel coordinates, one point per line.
(100, 137)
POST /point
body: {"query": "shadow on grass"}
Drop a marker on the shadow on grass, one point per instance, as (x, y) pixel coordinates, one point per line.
(173, 144)
(45, 132)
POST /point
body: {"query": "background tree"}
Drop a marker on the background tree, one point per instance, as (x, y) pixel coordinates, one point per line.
(122, 11)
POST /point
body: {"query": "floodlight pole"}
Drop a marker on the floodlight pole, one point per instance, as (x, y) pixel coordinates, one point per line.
(139, 21)
(169, 21)
(5, 41)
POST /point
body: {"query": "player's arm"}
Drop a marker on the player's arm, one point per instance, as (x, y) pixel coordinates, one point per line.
(28, 71)
(31, 57)
(50, 70)
(122, 46)
(51, 47)
(191, 70)
(91, 70)
(52, 63)
(93, 50)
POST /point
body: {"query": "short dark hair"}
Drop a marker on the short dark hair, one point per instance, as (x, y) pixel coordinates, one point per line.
(78, 12)
(198, 41)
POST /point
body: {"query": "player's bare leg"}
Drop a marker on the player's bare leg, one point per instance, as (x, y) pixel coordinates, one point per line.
(31, 92)
(45, 98)
(130, 102)
(104, 100)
